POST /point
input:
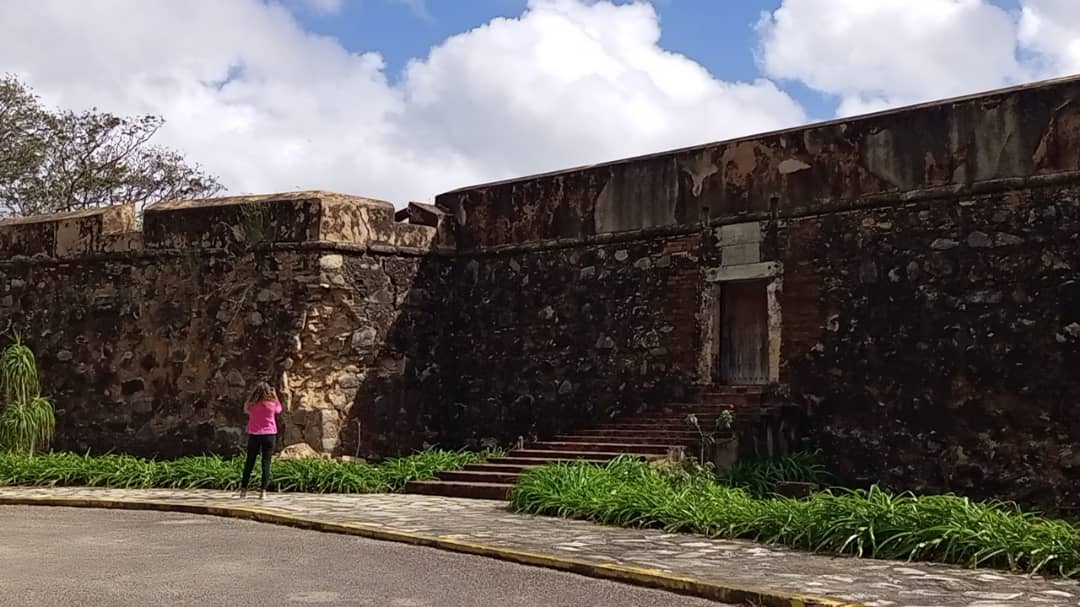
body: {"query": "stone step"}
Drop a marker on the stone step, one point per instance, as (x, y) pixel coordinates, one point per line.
(680, 414)
(677, 437)
(713, 408)
(674, 420)
(735, 399)
(484, 491)
(724, 390)
(643, 426)
(716, 405)
(556, 454)
(479, 476)
(610, 446)
(543, 460)
(505, 468)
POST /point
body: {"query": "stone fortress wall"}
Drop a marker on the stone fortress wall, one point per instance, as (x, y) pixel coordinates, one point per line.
(922, 269)
(150, 339)
(919, 267)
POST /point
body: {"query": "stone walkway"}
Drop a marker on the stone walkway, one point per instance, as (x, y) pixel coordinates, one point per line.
(866, 582)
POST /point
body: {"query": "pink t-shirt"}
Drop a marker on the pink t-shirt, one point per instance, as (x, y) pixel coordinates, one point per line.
(261, 418)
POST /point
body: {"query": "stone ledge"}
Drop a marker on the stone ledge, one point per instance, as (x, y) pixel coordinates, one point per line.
(248, 222)
(289, 217)
(251, 220)
(750, 271)
(69, 234)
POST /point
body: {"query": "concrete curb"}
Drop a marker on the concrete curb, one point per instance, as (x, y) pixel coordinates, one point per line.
(651, 578)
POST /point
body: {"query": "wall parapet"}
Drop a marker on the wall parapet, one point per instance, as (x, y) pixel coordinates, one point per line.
(949, 146)
(70, 234)
(307, 218)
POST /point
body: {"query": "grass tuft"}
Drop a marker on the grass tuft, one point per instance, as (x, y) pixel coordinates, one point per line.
(760, 477)
(865, 523)
(212, 472)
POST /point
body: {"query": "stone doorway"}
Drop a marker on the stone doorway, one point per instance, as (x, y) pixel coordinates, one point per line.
(741, 325)
(744, 334)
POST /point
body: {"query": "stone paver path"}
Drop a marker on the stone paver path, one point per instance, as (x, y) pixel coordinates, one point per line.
(868, 582)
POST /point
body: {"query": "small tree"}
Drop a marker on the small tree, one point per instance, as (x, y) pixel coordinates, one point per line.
(27, 420)
(54, 161)
(706, 439)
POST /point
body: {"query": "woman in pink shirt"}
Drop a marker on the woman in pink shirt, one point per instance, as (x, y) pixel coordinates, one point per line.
(261, 409)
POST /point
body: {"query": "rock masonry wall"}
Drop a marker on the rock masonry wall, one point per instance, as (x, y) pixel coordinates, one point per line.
(922, 268)
(945, 343)
(149, 340)
(922, 289)
(555, 339)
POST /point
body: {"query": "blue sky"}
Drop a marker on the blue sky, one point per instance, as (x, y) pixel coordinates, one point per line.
(718, 34)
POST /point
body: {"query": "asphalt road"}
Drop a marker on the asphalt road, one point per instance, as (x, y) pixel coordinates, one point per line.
(97, 558)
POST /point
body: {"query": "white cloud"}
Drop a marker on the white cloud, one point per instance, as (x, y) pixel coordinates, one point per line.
(880, 53)
(572, 83)
(1051, 28)
(267, 106)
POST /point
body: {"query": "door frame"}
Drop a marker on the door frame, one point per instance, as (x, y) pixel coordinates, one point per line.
(770, 276)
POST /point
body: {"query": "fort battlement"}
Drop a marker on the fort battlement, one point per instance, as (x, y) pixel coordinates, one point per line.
(293, 218)
(165, 322)
(910, 280)
(1007, 139)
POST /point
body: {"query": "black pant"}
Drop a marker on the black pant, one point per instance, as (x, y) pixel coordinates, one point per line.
(258, 443)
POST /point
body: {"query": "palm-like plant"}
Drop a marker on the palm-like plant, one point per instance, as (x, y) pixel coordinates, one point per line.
(27, 420)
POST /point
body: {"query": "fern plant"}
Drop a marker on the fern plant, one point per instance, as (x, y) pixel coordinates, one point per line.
(27, 420)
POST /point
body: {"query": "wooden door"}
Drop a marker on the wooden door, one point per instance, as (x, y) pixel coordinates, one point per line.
(744, 334)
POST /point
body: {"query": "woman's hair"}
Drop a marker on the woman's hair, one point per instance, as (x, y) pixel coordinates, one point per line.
(262, 391)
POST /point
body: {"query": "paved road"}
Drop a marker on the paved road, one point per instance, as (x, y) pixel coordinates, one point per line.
(62, 556)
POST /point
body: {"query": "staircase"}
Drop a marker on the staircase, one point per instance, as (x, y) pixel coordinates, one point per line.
(649, 436)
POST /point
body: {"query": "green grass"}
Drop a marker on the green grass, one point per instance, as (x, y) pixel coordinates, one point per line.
(759, 477)
(211, 472)
(873, 523)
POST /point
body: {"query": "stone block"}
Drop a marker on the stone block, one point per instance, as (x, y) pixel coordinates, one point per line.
(301, 450)
(251, 220)
(795, 490)
(740, 254)
(754, 271)
(739, 234)
(65, 234)
(329, 423)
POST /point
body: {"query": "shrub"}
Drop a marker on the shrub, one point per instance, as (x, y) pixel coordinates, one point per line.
(27, 420)
(212, 472)
(759, 477)
(870, 523)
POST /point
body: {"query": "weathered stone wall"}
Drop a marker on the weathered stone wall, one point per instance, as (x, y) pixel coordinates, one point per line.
(920, 269)
(943, 147)
(149, 341)
(550, 340)
(944, 343)
(369, 372)
(922, 277)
